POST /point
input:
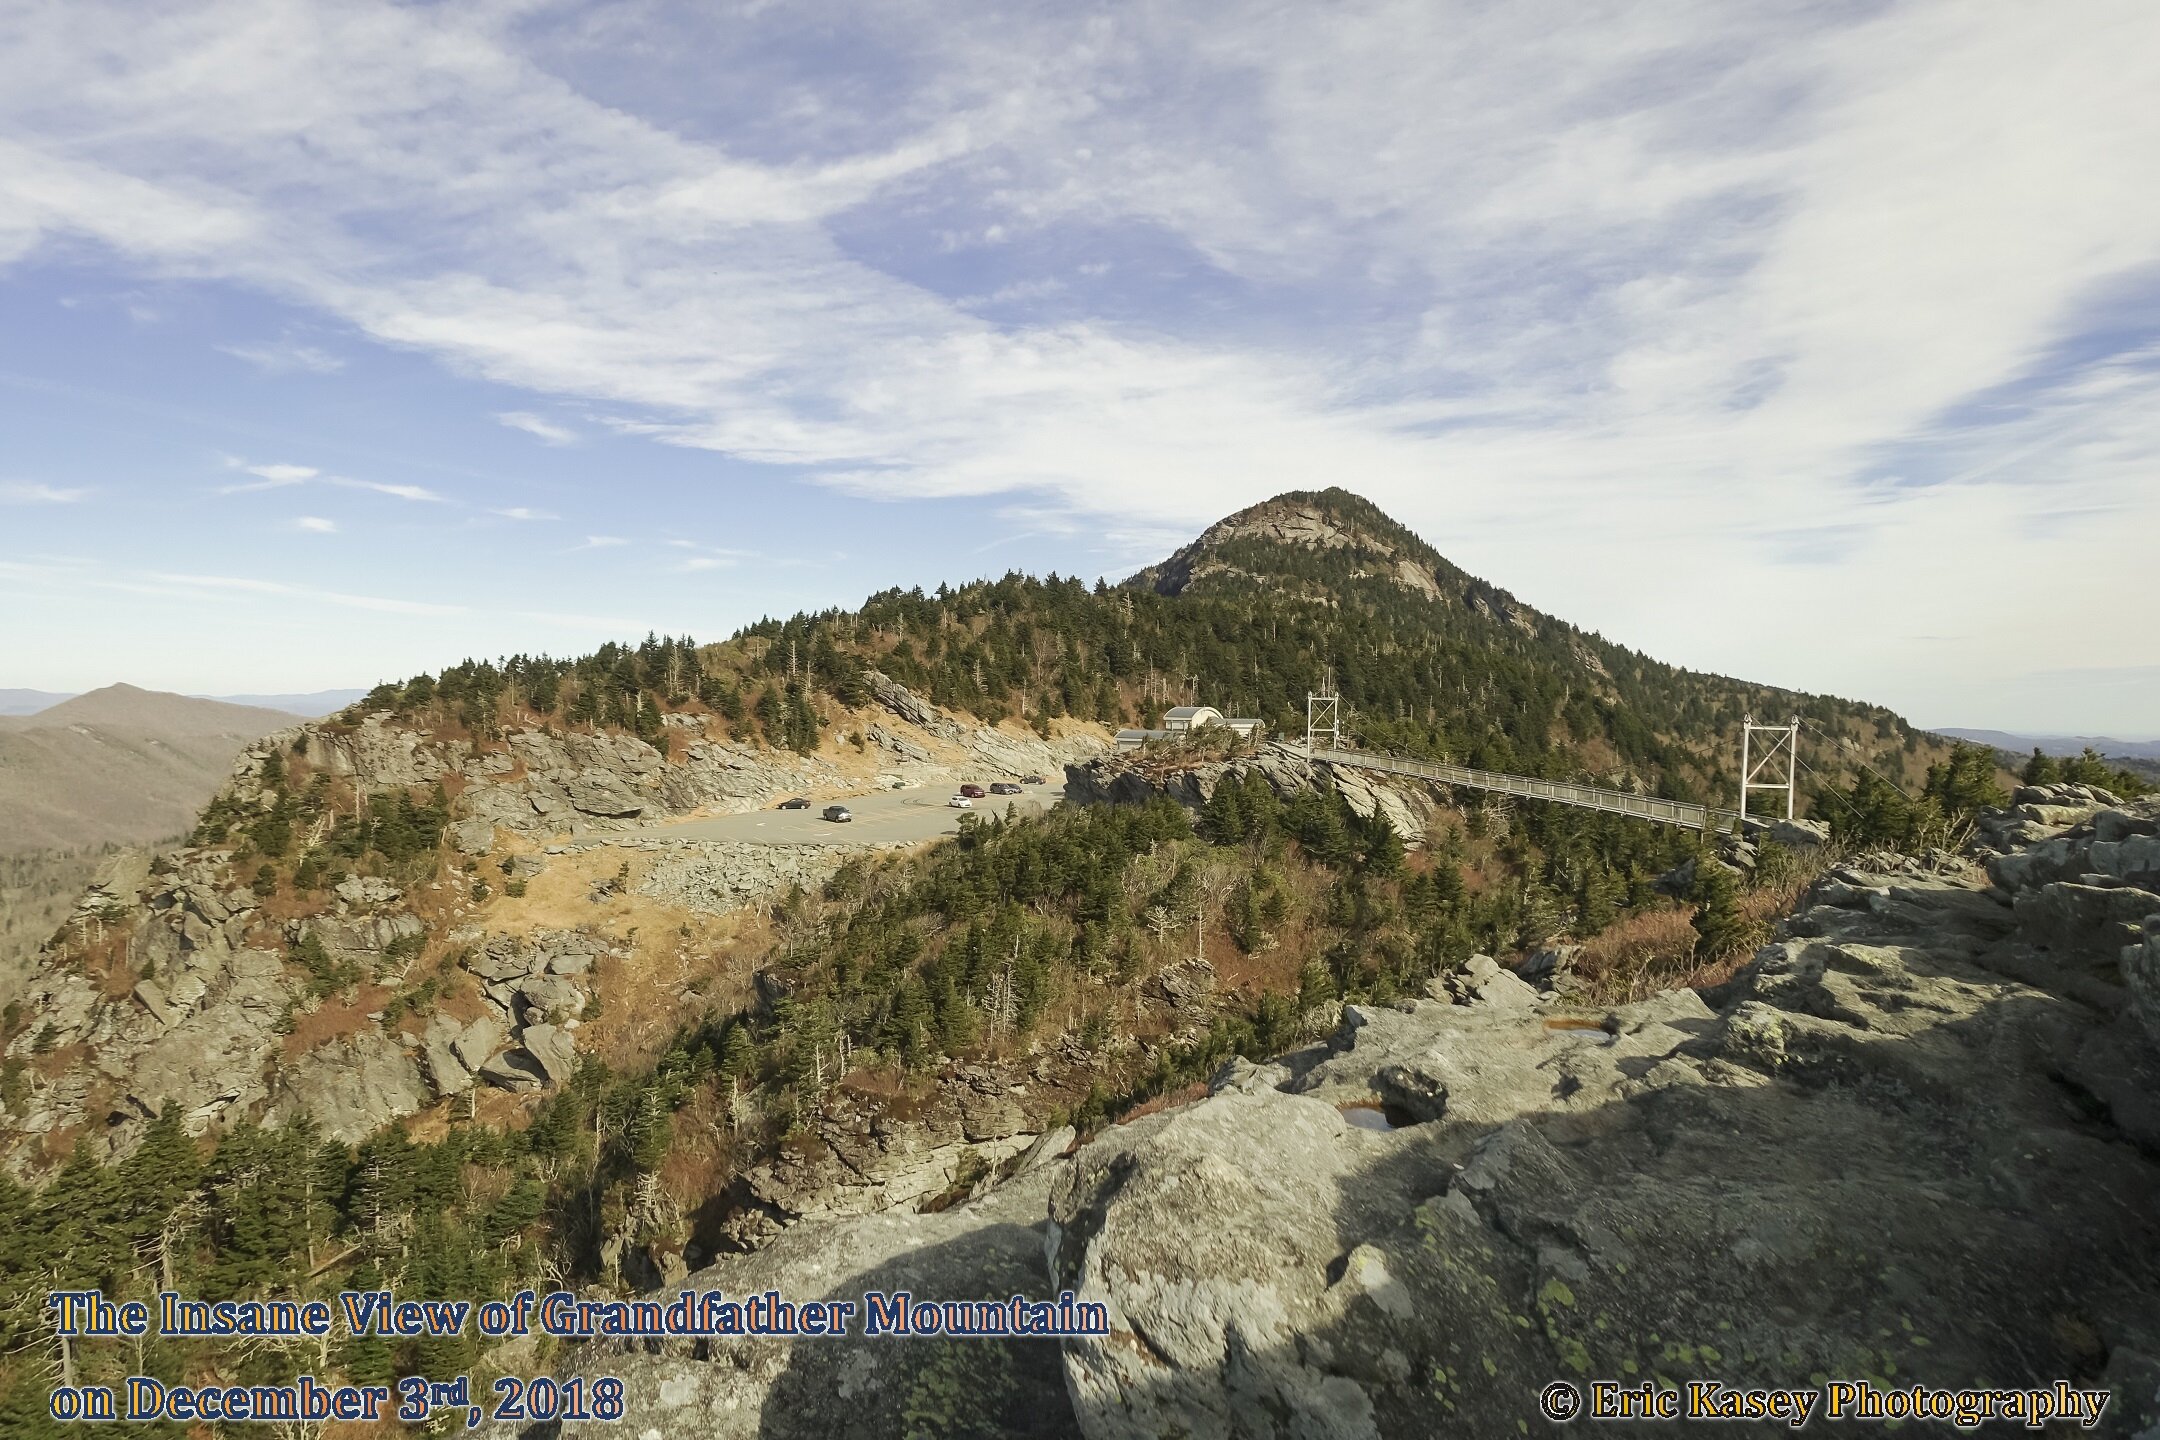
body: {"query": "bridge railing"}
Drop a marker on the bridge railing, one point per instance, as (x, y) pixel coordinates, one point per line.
(1588, 797)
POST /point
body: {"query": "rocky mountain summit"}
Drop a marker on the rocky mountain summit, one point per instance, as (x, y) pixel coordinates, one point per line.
(1914, 1140)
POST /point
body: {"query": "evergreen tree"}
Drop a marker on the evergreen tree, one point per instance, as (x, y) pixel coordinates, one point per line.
(772, 717)
(2087, 769)
(1383, 848)
(1222, 819)
(1720, 928)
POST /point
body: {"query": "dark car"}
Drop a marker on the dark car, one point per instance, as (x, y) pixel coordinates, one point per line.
(1004, 787)
(973, 792)
(798, 803)
(1033, 780)
(838, 812)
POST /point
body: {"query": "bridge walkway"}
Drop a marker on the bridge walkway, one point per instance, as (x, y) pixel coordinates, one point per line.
(1587, 797)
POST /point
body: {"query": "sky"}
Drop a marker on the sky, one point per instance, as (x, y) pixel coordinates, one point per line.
(1812, 343)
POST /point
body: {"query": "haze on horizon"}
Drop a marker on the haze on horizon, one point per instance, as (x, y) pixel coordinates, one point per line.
(1817, 345)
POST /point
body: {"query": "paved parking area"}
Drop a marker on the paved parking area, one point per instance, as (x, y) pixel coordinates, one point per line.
(881, 817)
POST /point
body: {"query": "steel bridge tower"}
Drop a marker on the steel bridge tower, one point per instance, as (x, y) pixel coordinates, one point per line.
(1323, 716)
(1786, 743)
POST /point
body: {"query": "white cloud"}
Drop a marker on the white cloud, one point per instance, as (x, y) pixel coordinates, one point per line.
(252, 586)
(268, 477)
(523, 512)
(534, 425)
(601, 542)
(1671, 281)
(38, 493)
(287, 357)
(402, 492)
(315, 525)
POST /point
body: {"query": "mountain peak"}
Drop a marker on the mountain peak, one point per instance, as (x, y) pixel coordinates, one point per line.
(130, 707)
(1324, 544)
(1251, 544)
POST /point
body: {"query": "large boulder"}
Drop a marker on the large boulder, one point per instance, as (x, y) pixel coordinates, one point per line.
(446, 1073)
(853, 1387)
(2085, 924)
(2141, 976)
(597, 792)
(1800, 834)
(475, 836)
(352, 1086)
(553, 1051)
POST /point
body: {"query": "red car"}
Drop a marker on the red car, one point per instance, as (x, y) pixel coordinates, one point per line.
(973, 792)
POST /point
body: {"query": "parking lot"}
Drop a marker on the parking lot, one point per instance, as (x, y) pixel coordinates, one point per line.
(881, 817)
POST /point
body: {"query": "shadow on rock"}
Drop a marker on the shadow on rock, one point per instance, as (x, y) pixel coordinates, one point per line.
(1906, 1199)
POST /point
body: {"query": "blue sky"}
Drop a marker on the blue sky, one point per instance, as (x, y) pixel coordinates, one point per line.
(1814, 343)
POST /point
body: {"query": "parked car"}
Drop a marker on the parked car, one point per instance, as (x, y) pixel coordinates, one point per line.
(973, 792)
(798, 803)
(960, 802)
(1004, 787)
(838, 813)
(1033, 780)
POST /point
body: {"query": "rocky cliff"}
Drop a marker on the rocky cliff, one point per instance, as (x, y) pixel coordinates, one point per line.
(1915, 1140)
(361, 999)
(1189, 776)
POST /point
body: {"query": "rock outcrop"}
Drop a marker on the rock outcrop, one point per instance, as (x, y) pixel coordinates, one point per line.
(179, 987)
(1892, 1148)
(859, 1158)
(553, 782)
(716, 877)
(197, 1031)
(351, 1086)
(855, 1388)
(1131, 778)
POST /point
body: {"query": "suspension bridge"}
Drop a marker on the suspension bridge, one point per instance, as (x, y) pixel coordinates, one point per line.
(1759, 765)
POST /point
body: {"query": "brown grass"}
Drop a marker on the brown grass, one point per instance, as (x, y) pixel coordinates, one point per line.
(1638, 955)
(1168, 1100)
(1652, 950)
(334, 1018)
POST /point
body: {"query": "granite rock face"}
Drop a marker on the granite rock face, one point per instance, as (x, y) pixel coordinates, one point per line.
(1860, 1162)
(197, 1032)
(351, 1086)
(1901, 1143)
(1130, 779)
(857, 1388)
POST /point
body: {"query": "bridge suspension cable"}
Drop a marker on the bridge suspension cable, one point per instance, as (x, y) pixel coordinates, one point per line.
(1323, 721)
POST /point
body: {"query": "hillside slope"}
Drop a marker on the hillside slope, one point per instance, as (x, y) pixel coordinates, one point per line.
(1438, 662)
(119, 764)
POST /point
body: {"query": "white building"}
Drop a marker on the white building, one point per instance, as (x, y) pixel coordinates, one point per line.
(1182, 719)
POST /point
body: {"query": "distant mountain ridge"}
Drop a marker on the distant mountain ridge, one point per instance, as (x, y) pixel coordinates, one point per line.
(159, 712)
(118, 765)
(310, 704)
(28, 702)
(2058, 744)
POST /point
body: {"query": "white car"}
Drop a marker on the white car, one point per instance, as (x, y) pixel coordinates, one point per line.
(960, 802)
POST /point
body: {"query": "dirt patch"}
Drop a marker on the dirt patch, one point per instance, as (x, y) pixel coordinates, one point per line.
(335, 1018)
